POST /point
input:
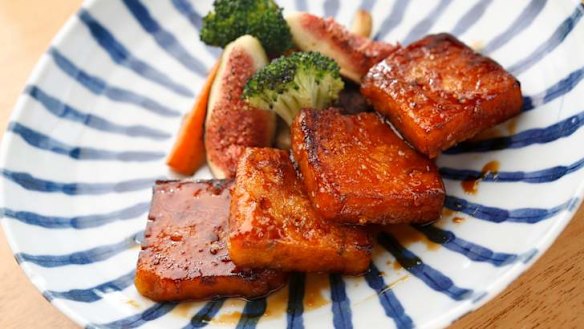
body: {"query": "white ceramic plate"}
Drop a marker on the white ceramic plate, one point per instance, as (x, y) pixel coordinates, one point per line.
(91, 129)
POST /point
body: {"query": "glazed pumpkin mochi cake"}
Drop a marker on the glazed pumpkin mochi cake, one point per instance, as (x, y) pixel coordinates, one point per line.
(273, 224)
(184, 253)
(438, 92)
(357, 170)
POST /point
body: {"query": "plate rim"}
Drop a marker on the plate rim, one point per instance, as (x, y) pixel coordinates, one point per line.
(513, 272)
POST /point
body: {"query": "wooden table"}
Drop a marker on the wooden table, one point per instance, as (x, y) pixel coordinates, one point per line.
(550, 294)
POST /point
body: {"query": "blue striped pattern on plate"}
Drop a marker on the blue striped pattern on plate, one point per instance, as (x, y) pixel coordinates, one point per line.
(91, 129)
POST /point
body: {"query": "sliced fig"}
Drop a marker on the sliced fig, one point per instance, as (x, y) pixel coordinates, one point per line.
(231, 125)
(354, 53)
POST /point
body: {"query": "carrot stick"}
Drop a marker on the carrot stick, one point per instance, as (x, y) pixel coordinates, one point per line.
(188, 153)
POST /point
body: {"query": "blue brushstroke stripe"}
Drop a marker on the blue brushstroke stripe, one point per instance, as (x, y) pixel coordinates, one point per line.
(252, 312)
(295, 301)
(367, 5)
(528, 256)
(331, 8)
(525, 138)
(472, 16)
(186, 9)
(536, 177)
(341, 305)
(166, 40)
(93, 294)
(44, 142)
(527, 16)
(137, 320)
(499, 215)
(560, 88)
(468, 249)
(122, 56)
(391, 305)
(550, 44)
(301, 5)
(84, 257)
(396, 15)
(479, 297)
(99, 86)
(77, 222)
(64, 111)
(205, 314)
(426, 24)
(427, 274)
(31, 183)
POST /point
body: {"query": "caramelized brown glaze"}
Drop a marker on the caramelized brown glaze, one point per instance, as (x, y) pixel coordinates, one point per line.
(354, 53)
(458, 220)
(184, 253)
(471, 186)
(274, 225)
(315, 288)
(438, 92)
(357, 170)
(232, 125)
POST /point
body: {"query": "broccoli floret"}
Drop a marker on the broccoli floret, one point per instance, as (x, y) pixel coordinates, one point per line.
(289, 84)
(234, 18)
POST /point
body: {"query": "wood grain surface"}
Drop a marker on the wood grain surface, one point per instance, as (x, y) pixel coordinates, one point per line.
(549, 295)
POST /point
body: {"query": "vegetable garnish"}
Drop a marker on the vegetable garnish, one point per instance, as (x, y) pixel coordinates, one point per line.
(188, 152)
(260, 18)
(289, 84)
